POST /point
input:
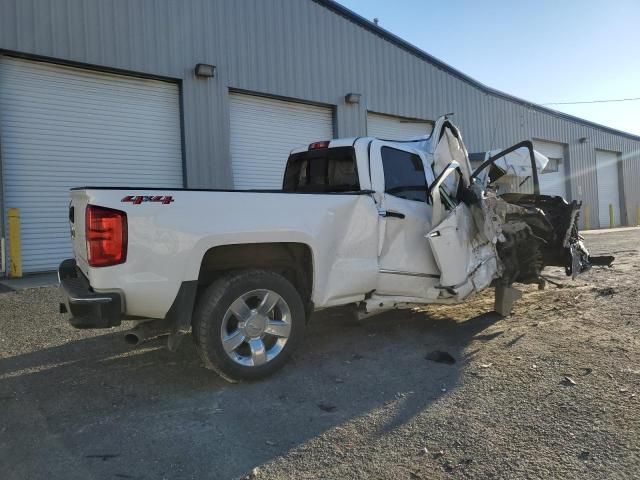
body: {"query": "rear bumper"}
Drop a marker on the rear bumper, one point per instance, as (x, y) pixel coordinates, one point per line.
(87, 308)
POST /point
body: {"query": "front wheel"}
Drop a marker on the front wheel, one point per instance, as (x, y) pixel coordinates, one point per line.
(247, 324)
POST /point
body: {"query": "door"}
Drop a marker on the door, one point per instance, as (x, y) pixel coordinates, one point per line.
(400, 173)
(467, 262)
(553, 179)
(608, 188)
(264, 131)
(389, 127)
(63, 127)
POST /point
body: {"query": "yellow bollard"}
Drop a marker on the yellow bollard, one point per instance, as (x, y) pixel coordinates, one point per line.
(15, 248)
(585, 220)
(612, 222)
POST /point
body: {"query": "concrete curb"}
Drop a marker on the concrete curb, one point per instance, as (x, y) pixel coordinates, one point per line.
(610, 230)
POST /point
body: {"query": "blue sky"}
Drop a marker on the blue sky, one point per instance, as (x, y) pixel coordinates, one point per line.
(543, 51)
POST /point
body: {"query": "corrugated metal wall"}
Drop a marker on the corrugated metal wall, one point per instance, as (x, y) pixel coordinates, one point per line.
(291, 48)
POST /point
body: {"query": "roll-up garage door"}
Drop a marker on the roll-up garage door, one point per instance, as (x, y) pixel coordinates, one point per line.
(553, 180)
(396, 128)
(608, 187)
(265, 130)
(63, 127)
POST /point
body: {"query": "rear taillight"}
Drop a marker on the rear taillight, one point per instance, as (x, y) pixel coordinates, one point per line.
(106, 231)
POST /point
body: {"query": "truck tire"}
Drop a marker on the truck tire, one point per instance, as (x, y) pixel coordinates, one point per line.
(248, 323)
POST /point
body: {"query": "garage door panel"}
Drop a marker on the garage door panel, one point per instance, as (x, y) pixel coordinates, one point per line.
(395, 128)
(608, 187)
(63, 127)
(79, 123)
(86, 88)
(265, 130)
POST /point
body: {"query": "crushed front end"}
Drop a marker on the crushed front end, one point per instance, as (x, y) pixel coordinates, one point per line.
(530, 231)
(540, 231)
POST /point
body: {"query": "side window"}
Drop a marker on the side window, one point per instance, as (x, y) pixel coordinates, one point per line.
(404, 174)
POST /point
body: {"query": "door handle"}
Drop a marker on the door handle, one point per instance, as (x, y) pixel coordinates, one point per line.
(391, 213)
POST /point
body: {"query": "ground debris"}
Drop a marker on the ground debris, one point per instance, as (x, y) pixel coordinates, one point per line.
(604, 291)
(568, 381)
(104, 456)
(440, 357)
(327, 407)
(584, 455)
(255, 473)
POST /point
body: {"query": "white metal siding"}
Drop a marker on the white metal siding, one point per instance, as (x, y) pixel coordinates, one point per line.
(63, 127)
(265, 130)
(395, 128)
(608, 187)
(553, 183)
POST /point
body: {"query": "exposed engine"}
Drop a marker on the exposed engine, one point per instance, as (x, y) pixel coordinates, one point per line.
(531, 232)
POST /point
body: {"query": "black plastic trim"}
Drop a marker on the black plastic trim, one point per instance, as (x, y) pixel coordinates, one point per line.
(181, 310)
(88, 309)
(392, 214)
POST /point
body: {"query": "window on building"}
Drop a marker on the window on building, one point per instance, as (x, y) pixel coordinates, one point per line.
(404, 174)
(553, 165)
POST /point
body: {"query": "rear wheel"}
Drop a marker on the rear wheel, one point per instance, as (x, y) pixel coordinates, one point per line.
(247, 324)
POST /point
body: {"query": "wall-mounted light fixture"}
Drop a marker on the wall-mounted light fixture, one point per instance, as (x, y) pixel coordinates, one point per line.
(206, 71)
(352, 98)
(583, 139)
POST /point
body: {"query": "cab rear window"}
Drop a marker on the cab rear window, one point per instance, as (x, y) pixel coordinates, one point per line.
(323, 170)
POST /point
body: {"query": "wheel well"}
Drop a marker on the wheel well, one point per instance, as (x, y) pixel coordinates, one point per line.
(292, 260)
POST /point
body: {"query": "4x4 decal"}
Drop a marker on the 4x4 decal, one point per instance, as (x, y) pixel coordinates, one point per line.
(138, 199)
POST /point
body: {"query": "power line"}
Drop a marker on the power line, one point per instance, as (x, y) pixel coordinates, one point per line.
(594, 101)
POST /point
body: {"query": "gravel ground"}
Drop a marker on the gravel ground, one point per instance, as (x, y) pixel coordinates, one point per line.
(550, 392)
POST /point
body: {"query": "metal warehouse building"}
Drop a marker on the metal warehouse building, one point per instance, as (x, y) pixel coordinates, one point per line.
(108, 92)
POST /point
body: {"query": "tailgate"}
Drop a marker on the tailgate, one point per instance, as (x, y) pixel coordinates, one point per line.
(77, 208)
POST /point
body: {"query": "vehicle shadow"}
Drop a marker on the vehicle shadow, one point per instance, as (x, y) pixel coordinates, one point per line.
(96, 408)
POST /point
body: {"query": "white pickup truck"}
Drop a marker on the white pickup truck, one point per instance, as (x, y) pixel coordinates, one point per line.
(364, 222)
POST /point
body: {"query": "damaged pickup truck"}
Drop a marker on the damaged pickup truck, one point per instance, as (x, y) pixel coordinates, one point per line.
(365, 222)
